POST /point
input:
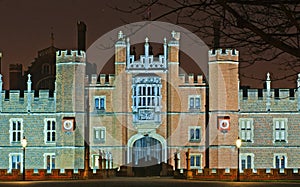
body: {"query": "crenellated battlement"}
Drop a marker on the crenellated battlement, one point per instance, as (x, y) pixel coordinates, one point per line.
(191, 79)
(258, 99)
(262, 94)
(63, 56)
(16, 101)
(103, 80)
(16, 95)
(223, 55)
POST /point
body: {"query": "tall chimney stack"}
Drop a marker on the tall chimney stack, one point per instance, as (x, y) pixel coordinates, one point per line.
(81, 36)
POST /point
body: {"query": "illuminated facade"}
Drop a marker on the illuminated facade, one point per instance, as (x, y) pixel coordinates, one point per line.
(146, 113)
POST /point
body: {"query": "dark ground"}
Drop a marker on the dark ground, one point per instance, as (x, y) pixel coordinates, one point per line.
(143, 182)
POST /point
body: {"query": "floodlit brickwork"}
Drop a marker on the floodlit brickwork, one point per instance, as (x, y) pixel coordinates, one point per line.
(146, 113)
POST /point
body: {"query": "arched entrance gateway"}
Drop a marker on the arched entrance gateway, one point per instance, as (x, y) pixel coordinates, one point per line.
(146, 153)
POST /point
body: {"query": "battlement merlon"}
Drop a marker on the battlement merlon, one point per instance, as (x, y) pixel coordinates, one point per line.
(223, 55)
(64, 56)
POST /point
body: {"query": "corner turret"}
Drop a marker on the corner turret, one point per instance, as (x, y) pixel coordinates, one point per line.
(223, 79)
(70, 80)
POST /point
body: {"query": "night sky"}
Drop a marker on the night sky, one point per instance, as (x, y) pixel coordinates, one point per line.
(26, 26)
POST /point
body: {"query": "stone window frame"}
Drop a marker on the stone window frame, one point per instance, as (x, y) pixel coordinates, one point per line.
(280, 130)
(142, 93)
(280, 155)
(192, 104)
(189, 134)
(243, 156)
(51, 131)
(10, 161)
(194, 155)
(146, 98)
(244, 131)
(99, 107)
(99, 130)
(11, 131)
(51, 161)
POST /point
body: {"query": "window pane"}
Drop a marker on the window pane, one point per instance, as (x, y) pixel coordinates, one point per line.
(48, 162)
(248, 135)
(97, 134)
(243, 164)
(19, 125)
(277, 135)
(192, 161)
(282, 126)
(14, 138)
(191, 102)
(277, 124)
(48, 136)
(243, 125)
(14, 164)
(102, 103)
(96, 160)
(283, 135)
(248, 125)
(18, 136)
(197, 134)
(277, 161)
(248, 162)
(283, 162)
(192, 134)
(197, 160)
(14, 125)
(53, 136)
(102, 135)
(53, 162)
(48, 125)
(198, 102)
(14, 158)
(243, 135)
(134, 91)
(97, 103)
(53, 125)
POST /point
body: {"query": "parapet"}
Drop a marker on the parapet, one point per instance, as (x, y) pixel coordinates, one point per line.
(70, 56)
(16, 95)
(191, 79)
(102, 80)
(223, 55)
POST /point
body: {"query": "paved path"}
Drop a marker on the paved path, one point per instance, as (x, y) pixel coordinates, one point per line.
(144, 182)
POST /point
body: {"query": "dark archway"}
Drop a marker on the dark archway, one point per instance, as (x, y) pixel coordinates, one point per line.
(147, 157)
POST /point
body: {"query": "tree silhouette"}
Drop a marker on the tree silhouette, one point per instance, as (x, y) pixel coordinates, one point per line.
(264, 30)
